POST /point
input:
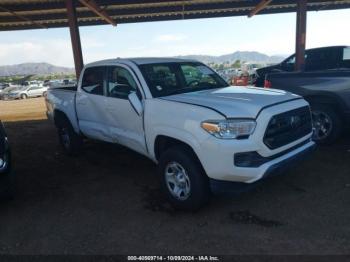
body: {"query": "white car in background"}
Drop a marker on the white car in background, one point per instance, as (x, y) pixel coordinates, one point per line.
(28, 90)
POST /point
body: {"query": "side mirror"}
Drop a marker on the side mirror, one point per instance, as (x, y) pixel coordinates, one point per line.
(135, 103)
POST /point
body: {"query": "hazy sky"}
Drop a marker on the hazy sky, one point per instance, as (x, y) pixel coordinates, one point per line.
(270, 34)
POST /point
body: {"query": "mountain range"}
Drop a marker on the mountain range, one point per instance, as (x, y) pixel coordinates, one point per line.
(46, 69)
(34, 69)
(246, 56)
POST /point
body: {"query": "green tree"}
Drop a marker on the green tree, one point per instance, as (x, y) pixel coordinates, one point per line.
(237, 64)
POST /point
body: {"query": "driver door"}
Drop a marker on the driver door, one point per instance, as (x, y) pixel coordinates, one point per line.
(124, 124)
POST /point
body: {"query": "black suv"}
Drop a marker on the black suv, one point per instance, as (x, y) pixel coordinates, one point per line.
(322, 58)
(6, 176)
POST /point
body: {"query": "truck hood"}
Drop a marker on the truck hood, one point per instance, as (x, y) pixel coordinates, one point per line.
(235, 101)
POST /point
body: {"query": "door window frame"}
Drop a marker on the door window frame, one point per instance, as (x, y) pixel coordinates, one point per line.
(104, 79)
(139, 90)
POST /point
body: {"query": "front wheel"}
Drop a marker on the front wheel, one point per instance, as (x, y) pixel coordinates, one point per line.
(68, 138)
(24, 96)
(183, 179)
(327, 124)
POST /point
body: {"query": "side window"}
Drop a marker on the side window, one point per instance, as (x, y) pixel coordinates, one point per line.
(346, 53)
(288, 64)
(120, 83)
(346, 57)
(291, 60)
(93, 80)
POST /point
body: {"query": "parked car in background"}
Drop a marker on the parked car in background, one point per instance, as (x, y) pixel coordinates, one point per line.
(6, 176)
(7, 89)
(328, 93)
(203, 134)
(3, 86)
(315, 59)
(27, 92)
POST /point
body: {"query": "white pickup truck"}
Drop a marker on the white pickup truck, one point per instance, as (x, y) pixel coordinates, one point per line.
(203, 134)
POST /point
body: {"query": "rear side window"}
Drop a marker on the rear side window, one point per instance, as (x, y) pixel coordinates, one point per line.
(346, 54)
(93, 80)
(346, 58)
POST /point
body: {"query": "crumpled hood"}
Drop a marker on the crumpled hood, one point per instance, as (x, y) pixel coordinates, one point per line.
(235, 101)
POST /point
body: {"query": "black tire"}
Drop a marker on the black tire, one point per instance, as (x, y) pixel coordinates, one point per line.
(70, 141)
(24, 96)
(333, 123)
(199, 183)
(7, 181)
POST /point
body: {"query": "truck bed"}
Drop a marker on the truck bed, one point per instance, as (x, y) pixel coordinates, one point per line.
(65, 87)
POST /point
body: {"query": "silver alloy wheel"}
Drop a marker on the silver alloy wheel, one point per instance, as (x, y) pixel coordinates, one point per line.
(65, 137)
(177, 180)
(322, 124)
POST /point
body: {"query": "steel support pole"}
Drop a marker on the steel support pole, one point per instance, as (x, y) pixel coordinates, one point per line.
(300, 35)
(75, 37)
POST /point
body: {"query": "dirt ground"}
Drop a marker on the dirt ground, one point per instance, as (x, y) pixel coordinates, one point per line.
(19, 110)
(107, 201)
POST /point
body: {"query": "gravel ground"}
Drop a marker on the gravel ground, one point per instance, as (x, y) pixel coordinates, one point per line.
(107, 201)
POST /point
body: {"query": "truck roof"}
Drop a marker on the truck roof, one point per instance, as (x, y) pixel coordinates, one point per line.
(141, 60)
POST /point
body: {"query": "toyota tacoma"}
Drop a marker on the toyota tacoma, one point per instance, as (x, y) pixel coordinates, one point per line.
(203, 134)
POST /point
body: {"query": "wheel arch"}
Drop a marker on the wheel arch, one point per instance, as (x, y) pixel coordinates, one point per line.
(164, 142)
(59, 117)
(327, 100)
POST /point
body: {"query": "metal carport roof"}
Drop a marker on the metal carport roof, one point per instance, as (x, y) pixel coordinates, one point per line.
(33, 14)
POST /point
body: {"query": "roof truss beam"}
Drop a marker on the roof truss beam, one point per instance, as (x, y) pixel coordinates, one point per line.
(91, 4)
(259, 7)
(21, 17)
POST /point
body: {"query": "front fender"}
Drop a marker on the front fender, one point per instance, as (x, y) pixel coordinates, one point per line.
(176, 133)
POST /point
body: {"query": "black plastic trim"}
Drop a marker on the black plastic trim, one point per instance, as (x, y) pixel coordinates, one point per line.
(263, 160)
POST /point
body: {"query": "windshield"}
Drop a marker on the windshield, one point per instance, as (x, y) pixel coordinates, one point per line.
(165, 79)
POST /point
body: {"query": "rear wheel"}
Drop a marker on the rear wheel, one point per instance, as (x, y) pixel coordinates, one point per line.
(68, 138)
(183, 179)
(327, 124)
(24, 96)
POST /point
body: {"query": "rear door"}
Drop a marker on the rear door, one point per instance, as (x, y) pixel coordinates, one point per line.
(91, 104)
(124, 124)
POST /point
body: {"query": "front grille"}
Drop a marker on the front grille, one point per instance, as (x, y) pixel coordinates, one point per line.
(287, 127)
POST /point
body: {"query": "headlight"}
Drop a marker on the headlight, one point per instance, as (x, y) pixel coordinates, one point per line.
(229, 129)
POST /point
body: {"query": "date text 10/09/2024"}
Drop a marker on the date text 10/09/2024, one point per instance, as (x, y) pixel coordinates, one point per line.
(173, 258)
